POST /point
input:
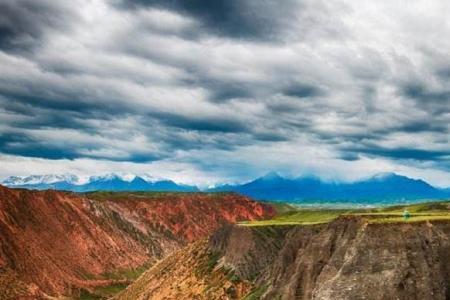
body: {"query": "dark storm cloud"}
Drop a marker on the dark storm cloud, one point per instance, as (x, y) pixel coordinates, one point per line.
(237, 19)
(20, 144)
(421, 92)
(31, 148)
(64, 103)
(31, 116)
(348, 156)
(219, 89)
(425, 126)
(302, 91)
(203, 124)
(271, 137)
(226, 91)
(407, 153)
(431, 99)
(33, 143)
(23, 22)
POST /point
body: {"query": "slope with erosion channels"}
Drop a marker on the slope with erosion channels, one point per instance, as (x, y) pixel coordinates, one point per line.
(58, 243)
(356, 255)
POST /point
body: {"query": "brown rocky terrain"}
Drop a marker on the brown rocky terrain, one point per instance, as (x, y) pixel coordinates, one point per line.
(348, 258)
(60, 243)
(191, 273)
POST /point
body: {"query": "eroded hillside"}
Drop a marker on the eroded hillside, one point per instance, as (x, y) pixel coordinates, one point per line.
(57, 243)
(348, 258)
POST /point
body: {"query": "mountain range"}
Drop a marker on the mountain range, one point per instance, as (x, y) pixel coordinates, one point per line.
(382, 188)
(107, 182)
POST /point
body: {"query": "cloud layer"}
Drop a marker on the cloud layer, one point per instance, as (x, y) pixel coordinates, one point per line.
(226, 90)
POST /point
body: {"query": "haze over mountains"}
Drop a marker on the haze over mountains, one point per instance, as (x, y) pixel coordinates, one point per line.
(382, 188)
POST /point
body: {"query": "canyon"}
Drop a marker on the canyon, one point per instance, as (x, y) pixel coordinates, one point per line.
(65, 244)
(348, 258)
(166, 245)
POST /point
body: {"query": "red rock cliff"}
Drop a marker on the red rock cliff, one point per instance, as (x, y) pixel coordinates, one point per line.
(56, 242)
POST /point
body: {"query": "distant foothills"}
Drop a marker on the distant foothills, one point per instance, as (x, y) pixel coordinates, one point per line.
(385, 188)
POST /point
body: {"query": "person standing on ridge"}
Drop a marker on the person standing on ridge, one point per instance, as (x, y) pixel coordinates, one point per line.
(406, 215)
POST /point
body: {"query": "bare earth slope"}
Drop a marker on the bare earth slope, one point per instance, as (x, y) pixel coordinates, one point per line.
(57, 243)
(348, 258)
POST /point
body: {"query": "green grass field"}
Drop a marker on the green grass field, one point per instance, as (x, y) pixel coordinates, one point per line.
(299, 217)
(106, 292)
(295, 215)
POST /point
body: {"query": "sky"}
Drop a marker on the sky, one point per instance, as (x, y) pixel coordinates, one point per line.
(205, 92)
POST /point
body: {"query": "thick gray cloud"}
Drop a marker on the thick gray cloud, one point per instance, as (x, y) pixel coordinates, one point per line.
(23, 22)
(304, 85)
(255, 20)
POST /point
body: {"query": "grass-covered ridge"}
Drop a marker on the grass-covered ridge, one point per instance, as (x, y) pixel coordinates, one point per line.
(292, 215)
(113, 195)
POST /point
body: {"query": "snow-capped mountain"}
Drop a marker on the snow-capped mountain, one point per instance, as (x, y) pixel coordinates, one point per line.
(381, 188)
(105, 182)
(40, 179)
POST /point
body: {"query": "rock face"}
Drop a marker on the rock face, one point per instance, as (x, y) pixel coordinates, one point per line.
(349, 258)
(56, 243)
(191, 273)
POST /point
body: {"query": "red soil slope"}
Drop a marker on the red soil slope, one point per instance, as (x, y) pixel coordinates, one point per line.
(188, 216)
(55, 243)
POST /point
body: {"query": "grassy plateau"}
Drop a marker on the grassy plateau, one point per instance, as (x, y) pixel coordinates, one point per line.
(297, 215)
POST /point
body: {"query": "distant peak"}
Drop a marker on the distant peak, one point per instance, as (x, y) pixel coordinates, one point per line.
(37, 179)
(392, 176)
(114, 176)
(108, 176)
(384, 175)
(272, 175)
(309, 177)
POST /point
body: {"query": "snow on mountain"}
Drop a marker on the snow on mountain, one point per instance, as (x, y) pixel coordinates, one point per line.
(40, 179)
(72, 179)
(103, 182)
(128, 177)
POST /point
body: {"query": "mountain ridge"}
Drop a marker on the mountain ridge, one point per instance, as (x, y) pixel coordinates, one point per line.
(383, 187)
(62, 243)
(380, 188)
(106, 182)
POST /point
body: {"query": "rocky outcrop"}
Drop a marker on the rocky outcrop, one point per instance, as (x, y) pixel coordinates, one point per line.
(248, 250)
(349, 258)
(352, 259)
(57, 243)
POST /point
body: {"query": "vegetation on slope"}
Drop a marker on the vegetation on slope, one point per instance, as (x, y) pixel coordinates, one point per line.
(299, 217)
